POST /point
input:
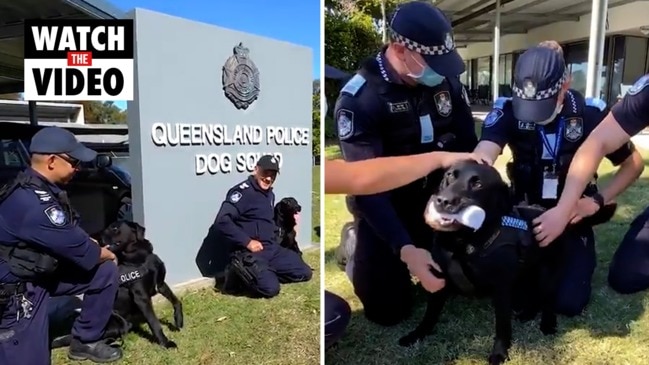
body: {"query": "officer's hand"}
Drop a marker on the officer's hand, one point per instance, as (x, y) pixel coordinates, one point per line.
(585, 208)
(419, 262)
(107, 255)
(254, 246)
(549, 225)
(448, 159)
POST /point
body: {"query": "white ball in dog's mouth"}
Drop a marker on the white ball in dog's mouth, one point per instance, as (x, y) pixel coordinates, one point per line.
(472, 216)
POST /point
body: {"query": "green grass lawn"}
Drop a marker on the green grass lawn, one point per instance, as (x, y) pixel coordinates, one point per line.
(222, 329)
(613, 330)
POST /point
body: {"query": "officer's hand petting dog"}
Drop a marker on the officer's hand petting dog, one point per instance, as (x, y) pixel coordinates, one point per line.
(585, 208)
(255, 246)
(420, 262)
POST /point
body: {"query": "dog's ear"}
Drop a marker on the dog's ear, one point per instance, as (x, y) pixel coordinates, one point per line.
(139, 232)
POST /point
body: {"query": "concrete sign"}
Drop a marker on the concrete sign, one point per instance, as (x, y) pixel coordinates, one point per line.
(208, 103)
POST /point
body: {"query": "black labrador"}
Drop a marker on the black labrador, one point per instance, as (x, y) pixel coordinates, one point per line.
(285, 212)
(141, 276)
(488, 261)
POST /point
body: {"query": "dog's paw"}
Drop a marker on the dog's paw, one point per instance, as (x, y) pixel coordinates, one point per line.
(409, 339)
(526, 315)
(497, 359)
(170, 345)
(549, 327)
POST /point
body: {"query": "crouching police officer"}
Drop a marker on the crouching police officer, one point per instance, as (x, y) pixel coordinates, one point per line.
(246, 222)
(44, 252)
(404, 101)
(544, 124)
(629, 270)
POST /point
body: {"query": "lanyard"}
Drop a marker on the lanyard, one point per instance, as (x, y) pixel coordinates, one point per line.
(554, 152)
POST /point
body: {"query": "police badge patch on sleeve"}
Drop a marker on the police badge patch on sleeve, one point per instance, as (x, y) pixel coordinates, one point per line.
(345, 121)
(493, 117)
(639, 85)
(56, 216)
(235, 197)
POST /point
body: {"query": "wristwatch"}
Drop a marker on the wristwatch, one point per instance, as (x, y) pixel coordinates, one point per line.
(599, 199)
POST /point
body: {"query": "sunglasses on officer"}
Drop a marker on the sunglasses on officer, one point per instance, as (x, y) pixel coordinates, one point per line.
(74, 163)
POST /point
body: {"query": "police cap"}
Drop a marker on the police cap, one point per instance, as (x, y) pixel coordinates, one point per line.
(423, 28)
(56, 140)
(539, 75)
(268, 163)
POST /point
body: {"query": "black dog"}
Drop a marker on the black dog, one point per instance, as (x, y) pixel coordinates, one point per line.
(142, 276)
(490, 260)
(285, 211)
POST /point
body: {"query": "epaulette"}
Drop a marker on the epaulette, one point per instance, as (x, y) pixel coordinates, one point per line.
(596, 103)
(354, 85)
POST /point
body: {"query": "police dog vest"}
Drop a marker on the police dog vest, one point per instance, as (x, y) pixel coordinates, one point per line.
(130, 274)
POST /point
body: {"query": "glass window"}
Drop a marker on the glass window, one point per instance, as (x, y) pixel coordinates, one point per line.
(505, 75)
(484, 78)
(635, 51)
(10, 154)
(617, 69)
(576, 55)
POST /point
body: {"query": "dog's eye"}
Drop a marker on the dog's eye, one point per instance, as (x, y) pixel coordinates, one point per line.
(475, 183)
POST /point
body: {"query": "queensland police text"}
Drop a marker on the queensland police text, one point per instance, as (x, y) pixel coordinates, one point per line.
(221, 144)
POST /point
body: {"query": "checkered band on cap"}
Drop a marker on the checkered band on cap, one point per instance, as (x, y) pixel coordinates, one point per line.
(438, 50)
(541, 94)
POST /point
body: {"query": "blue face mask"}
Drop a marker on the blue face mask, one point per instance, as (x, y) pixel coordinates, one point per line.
(427, 76)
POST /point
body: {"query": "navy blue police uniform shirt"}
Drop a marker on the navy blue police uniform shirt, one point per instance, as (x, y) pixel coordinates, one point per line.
(247, 213)
(580, 117)
(35, 217)
(377, 115)
(632, 112)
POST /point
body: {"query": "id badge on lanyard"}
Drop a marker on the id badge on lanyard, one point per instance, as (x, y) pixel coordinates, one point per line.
(551, 178)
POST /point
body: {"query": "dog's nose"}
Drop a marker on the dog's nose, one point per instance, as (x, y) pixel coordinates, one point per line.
(446, 203)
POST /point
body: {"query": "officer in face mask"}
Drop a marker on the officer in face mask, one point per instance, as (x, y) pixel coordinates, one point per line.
(44, 252)
(405, 100)
(544, 124)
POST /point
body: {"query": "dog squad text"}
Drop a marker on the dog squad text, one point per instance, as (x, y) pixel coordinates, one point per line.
(78, 60)
(221, 135)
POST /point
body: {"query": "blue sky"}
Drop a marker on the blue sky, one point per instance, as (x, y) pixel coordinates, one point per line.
(295, 21)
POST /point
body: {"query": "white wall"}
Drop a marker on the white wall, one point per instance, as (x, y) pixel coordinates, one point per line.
(621, 19)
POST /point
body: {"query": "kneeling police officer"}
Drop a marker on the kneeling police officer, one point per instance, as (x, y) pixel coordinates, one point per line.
(404, 101)
(246, 222)
(544, 124)
(44, 252)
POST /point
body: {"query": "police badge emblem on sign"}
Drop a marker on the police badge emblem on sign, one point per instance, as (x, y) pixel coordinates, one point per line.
(56, 216)
(240, 78)
(345, 123)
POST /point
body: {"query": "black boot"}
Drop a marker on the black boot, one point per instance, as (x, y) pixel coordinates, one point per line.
(99, 352)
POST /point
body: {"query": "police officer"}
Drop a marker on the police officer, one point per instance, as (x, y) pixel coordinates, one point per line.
(44, 252)
(629, 270)
(245, 220)
(405, 100)
(544, 124)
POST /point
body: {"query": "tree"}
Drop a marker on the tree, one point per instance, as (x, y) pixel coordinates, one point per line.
(315, 125)
(97, 112)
